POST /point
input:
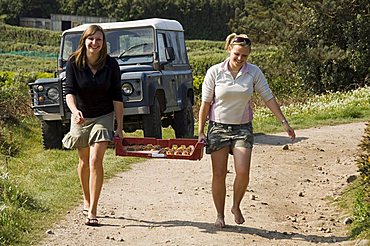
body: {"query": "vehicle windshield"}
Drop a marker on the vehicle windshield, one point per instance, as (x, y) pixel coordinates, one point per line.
(131, 46)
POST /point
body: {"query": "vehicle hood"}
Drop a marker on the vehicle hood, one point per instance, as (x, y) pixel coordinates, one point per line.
(135, 68)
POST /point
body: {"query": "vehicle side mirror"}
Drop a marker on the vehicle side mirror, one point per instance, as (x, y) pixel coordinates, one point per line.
(156, 61)
(170, 54)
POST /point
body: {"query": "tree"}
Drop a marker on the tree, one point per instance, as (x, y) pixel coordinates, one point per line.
(265, 21)
(11, 10)
(39, 8)
(330, 49)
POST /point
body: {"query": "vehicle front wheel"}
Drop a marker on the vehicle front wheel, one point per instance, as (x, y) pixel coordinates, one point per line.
(52, 134)
(152, 125)
(183, 122)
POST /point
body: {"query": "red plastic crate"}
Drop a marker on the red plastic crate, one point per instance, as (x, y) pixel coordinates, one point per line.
(197, 154)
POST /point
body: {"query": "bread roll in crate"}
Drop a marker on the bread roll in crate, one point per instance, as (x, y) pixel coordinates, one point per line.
(180, 148)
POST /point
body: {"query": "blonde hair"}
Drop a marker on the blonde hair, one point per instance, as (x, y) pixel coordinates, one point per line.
(80, 53)
(231, 37)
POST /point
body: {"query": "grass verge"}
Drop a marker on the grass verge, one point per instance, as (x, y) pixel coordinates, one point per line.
(39, 186)
(355, 202)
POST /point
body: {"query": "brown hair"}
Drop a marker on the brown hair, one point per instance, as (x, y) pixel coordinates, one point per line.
(80, 53)
(231, 37)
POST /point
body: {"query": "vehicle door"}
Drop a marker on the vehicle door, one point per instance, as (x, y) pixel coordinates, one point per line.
(168, 72)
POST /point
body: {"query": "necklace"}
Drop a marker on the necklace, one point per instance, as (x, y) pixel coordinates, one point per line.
(234, 70)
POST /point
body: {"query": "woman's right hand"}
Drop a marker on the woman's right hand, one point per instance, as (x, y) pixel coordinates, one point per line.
(78, 118)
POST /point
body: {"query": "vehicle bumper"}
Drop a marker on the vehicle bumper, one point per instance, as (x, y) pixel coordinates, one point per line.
(136, 110)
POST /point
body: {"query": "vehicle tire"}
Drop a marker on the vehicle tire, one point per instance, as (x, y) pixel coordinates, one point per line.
(152, 125)
(52, 134)
(183, 122)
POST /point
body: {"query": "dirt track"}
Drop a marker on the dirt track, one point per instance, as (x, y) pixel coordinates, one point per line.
(169, 202)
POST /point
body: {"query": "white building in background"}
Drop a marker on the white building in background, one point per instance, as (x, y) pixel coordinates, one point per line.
(61, 22)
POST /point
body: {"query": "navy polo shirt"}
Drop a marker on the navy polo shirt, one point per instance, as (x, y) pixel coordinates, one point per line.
(94, 93)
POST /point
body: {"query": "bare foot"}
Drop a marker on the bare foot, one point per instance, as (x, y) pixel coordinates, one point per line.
(220, 222)
(239, 219)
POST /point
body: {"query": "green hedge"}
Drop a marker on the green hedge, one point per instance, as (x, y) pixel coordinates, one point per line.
(33, 36)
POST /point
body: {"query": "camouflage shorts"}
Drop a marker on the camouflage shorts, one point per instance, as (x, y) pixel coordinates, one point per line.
(228, 135)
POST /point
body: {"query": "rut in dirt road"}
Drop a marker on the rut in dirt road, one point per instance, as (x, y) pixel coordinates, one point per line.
(168, 202)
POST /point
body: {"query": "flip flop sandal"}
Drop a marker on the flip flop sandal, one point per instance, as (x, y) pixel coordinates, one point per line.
(91, 222)
(85, 212)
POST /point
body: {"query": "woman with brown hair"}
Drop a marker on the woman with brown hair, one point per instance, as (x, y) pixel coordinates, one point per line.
(93, 94)
(227, 91)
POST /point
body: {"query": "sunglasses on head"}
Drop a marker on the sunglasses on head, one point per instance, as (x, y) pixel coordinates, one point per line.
(241, 40)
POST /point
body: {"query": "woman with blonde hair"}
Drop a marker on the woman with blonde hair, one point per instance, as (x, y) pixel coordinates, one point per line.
(93, 94)
(227, 92)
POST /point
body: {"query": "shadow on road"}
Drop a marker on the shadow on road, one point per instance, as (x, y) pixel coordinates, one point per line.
(210, 228)
(261, 138)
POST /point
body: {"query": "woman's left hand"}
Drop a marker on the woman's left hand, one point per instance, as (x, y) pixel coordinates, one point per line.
(201, 137)
(290, 131)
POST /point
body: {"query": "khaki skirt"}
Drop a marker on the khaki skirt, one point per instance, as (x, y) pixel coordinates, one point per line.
(99, 129)
(228, 135)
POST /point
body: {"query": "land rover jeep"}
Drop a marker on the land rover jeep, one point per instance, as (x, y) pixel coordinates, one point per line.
(156, 80)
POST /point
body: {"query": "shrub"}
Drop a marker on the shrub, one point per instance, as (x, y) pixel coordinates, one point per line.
(361, 209)
(14, 97)
(364, 158)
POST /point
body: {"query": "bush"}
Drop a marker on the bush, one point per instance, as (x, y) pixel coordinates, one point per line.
(14, 97)
(361, 213)
(364, 158)
(8, 145)
(361, 209)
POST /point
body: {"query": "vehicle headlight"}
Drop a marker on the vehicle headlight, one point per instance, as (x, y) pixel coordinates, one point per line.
(53, 93)
(41, 99)
(40, 88)
(127, 89)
